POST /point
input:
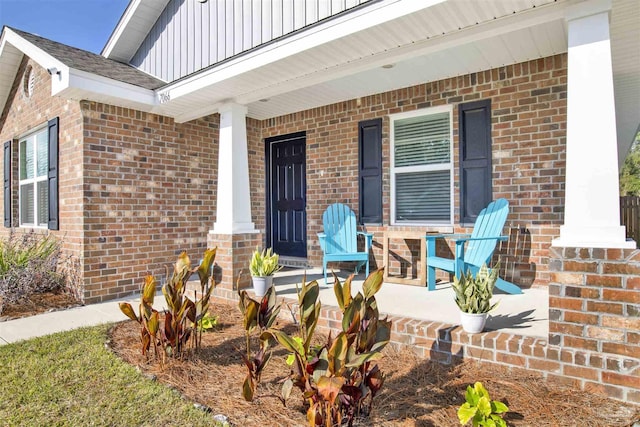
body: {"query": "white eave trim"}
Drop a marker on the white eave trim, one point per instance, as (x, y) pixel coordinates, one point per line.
(333, 29)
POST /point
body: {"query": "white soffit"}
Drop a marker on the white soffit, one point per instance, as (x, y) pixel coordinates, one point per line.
(133, 27)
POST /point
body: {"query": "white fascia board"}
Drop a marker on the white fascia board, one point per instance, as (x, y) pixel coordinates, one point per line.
(333, 29)
(93, 83)
(122, 25)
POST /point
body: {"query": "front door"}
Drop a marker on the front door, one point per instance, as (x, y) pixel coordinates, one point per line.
(287, 194)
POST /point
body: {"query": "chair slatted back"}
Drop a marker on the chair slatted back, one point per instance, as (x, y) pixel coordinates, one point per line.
(339, 224)
(490, 222)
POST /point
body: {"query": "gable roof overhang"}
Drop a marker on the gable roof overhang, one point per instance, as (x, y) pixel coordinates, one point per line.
(133, 26)
(67, 81)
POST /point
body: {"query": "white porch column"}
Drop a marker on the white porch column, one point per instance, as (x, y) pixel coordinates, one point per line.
(233, 211)
(592, 210)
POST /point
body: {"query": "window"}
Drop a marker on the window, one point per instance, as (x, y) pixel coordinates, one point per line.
(422, 167)
(34, 165)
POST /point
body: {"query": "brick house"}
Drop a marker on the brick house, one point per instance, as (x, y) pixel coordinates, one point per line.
(234, 124)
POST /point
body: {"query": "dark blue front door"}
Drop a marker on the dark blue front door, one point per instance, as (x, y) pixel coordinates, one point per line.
(287, 182)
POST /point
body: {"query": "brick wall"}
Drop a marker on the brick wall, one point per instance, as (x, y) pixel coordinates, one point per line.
(528, 130)
(149, 190)
(594, 313)
(22, 114)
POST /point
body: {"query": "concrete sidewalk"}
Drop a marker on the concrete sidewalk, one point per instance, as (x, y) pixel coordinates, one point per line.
(66, 320)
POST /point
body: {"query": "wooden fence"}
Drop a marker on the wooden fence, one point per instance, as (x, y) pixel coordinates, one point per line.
(630, 216)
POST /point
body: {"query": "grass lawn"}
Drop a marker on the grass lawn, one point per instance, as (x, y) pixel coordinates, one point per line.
(71, 379)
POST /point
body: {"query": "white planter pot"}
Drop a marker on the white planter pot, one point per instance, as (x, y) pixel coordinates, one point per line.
(261, 285)
(473, 323)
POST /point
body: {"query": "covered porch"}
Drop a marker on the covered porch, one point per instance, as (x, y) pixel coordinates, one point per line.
(525, 315)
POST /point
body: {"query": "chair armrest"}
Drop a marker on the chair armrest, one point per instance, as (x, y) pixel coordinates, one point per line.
(445, 236)
(368, 239)
(322, 238)
(471, 239)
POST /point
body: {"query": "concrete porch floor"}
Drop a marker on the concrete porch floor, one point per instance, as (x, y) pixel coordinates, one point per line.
(526, 314)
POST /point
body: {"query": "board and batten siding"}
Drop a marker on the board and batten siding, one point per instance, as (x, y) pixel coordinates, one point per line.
(196, 35)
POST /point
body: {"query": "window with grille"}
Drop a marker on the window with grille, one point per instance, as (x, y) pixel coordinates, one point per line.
(422, 167)
(34, 193)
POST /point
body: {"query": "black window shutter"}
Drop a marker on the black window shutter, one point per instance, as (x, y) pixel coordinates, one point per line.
(7, 184)
(475, 159)
(54, 222)
(370, 171)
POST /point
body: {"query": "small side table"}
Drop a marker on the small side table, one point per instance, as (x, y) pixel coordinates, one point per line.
(421, 280)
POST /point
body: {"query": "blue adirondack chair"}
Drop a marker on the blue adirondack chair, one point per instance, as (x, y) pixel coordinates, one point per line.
(479, 247)
(339, 240)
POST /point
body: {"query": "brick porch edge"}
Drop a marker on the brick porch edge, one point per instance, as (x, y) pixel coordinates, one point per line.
(594, 323)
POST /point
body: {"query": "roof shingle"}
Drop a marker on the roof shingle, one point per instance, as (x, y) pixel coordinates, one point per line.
(92, 63)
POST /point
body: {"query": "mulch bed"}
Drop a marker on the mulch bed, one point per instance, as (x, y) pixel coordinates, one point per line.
(37, 304)
(416, 392)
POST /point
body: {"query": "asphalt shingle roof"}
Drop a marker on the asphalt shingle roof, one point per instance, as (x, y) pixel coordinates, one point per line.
(92, 63)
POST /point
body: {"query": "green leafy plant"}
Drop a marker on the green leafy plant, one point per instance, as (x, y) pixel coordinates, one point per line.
(337, 378)
(176, 335)
(261, 316)
(207, 323)
(480, 409)
(264, 263)
(183, 312)
(147, 317)
(473, 294)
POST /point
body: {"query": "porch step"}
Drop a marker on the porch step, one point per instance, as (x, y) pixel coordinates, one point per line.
(294, 262)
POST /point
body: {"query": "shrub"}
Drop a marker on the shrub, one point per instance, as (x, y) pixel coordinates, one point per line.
(339, 377)
(177, 331)
(28, 265)
(260, 315)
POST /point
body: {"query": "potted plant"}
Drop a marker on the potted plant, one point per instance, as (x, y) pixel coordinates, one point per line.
(264, 264)
(473, 296)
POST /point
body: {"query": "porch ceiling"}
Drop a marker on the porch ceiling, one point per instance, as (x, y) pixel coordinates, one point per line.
(438, 39)
(446, 39)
